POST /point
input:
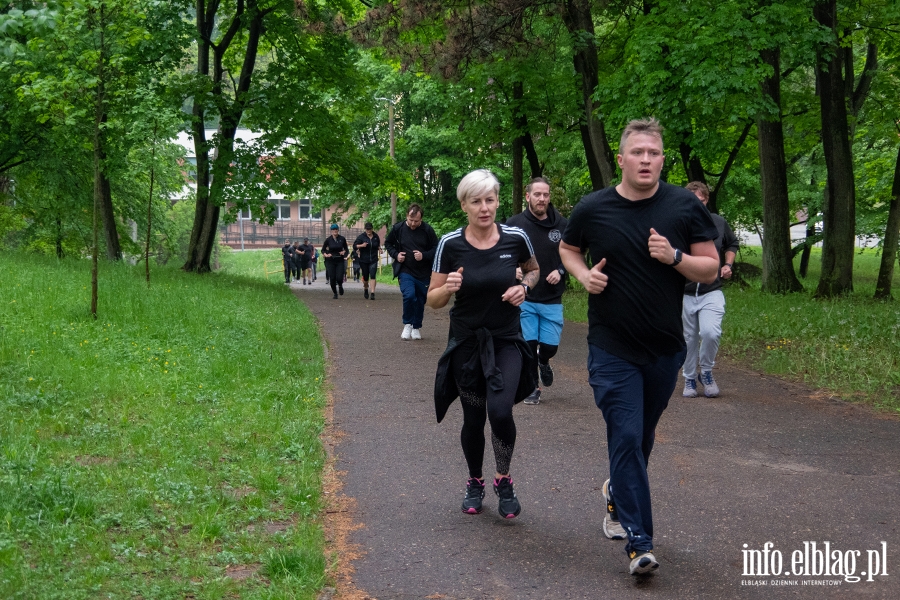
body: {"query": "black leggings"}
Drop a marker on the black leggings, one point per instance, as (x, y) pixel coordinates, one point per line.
(546, 353)
(334, 270)
(482, 404)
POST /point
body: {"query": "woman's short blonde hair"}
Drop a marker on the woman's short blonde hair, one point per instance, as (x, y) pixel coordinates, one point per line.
(477, 183)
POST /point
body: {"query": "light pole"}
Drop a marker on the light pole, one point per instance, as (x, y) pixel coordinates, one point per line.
(391, 128)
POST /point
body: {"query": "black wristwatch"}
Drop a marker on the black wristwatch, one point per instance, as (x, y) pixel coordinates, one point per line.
(527, 289)
(677, 257)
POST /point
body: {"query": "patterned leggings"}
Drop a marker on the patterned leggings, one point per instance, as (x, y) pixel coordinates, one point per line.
(482, 404)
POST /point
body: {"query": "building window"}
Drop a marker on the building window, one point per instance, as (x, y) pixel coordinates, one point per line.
(306, 209)
(282, 210)
(245, 214)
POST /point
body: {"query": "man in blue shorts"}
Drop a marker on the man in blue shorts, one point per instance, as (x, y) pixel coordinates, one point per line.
(542, 312)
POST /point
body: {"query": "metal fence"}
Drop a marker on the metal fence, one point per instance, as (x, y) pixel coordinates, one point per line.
(253, 235)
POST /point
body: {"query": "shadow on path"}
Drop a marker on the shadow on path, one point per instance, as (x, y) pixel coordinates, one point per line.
(768, 461)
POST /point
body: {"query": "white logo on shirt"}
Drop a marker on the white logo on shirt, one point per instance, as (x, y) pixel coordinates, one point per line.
(555, 235)
(506, 256)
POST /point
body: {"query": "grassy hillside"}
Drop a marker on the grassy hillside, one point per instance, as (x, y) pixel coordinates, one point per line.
(168, 449)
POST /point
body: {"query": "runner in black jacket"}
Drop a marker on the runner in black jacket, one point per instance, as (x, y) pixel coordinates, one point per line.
(411, 243)
(367, 247)
(335, 251)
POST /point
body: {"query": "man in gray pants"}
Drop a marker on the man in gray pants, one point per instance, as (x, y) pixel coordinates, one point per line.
(704, 307)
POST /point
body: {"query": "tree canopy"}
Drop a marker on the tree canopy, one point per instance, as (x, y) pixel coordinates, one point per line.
(784, 108)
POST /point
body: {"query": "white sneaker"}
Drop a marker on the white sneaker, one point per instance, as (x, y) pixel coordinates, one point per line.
(642, 563)
(407, 332)
(416, 334)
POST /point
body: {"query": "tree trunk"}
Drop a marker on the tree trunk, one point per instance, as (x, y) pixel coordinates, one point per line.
(206, 215)
(99, 114)
(537, 169)
(580, 23)
(778, 275)
(839, 209)
(107, 215)
(891, 236)
(517, 185)
(201, 150)
(807, 250)
(518, 147)
(150, 208)
(592, 164)
(691, 162)
(59, 246)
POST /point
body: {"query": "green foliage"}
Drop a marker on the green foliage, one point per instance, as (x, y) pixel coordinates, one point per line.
(54, 82)
(154, 451)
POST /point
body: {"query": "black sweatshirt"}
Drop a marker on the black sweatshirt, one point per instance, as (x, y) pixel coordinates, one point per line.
(403, 239)
(545, 236)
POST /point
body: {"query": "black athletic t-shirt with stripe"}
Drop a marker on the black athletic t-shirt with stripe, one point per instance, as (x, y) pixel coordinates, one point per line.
(487, 274)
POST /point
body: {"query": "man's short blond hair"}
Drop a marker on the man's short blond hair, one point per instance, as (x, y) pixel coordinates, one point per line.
(649, 126)
(477, 183)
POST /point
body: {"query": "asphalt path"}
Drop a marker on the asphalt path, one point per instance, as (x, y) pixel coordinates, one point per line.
(767, 461)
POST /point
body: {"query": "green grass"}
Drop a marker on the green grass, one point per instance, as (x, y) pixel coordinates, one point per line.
(255, 263)
(169, 443)
(849, 346)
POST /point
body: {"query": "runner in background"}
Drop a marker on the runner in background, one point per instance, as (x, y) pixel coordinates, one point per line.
(335, 251)
(542, 312)
(367, 248)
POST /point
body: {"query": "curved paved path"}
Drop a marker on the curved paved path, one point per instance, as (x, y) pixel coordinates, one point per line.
(768, 461)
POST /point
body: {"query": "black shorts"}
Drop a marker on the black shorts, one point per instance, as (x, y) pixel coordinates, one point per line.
(369, 270)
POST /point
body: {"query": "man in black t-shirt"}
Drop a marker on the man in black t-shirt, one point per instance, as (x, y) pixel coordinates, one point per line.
(542, 311)
(645, 237)
(411, 243)
(303, 255)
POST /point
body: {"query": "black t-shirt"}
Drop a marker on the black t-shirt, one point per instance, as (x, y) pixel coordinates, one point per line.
(487, 274)
(637, 317)
(304, 252)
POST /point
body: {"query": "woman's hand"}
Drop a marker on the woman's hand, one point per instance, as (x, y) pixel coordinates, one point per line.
(515, 295)
(454, 281)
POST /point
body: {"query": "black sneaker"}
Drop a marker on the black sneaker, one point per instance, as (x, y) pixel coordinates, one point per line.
(372, 296)
(366, 293)
(334, 297)
(340, 289)
(509, 506)
(546, 372)
(474, 495)
(534, 397)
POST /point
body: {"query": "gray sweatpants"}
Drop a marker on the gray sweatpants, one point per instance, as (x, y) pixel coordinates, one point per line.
(702, 319)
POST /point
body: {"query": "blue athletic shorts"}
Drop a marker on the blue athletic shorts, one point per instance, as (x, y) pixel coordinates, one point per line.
(542, 322)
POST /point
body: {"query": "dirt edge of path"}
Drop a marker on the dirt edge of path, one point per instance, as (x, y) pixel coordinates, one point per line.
(338, 509)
